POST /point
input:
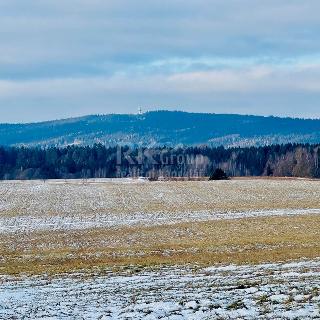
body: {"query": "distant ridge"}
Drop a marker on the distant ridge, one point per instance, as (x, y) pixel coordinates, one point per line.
(159, 128)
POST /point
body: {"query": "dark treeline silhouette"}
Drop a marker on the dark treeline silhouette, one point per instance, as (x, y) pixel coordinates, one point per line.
(290, 160)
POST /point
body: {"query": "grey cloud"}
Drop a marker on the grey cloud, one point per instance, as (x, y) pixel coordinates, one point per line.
(226, 90)
(73, 57)
(101, 30)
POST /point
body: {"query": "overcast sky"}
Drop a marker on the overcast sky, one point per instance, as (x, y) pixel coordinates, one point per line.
(62, 58)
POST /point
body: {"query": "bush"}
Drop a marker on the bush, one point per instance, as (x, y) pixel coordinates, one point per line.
(219, 174)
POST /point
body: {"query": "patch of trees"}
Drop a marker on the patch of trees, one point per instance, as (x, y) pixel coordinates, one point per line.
(290, 160)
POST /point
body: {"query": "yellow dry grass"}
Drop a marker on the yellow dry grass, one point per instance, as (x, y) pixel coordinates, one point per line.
(248, 240)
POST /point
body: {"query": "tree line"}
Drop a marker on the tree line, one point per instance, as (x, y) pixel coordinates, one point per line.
(98, 161)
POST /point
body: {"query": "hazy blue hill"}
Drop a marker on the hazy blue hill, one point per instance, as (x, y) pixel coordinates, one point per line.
(163, 128)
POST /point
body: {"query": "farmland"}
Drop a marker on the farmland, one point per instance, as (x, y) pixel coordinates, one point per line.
(239, 248)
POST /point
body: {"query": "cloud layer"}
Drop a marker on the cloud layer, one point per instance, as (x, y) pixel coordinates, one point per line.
(66, 58)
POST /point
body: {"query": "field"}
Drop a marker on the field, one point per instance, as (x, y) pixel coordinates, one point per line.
(130, 249)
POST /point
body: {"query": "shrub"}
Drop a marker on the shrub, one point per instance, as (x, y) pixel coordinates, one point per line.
(218, 174)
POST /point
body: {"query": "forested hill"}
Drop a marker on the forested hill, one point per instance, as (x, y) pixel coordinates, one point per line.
(163, 128)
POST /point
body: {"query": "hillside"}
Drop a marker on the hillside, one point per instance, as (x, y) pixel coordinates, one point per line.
(163, 128)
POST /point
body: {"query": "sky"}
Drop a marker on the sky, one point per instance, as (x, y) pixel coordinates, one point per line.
(61, 58)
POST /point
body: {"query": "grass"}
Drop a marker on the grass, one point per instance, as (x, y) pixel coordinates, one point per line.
(249, 240)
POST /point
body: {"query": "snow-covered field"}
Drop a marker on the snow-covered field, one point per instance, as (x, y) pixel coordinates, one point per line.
(268, 291)
(133, 249)
(76, 204)
(33, 223)
(76, 197)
